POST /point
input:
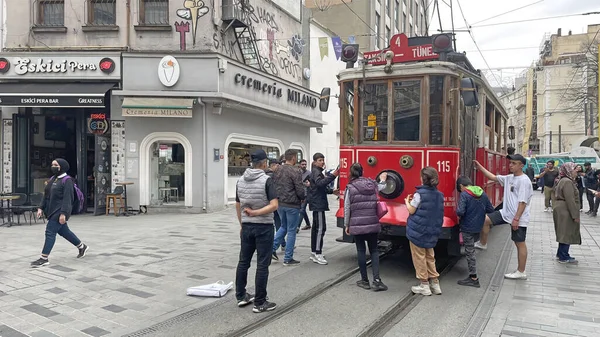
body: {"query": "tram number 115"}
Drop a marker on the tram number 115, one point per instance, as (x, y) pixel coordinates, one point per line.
(443, 166)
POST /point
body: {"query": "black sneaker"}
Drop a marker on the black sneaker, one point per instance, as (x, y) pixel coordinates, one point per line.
(40, 263)
(267, 306)
(248, 298)
(469, 282)
(291, 262)
(379, 286)
(274, 256)
(82, 251)
(363, 284)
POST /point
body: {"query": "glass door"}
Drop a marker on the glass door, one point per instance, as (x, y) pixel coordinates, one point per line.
(21, 154)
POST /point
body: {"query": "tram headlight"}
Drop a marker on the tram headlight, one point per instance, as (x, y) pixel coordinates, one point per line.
(394, 185)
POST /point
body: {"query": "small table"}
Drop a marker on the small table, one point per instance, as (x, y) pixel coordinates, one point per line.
(166, 193)
(8, 199)
(126, 211)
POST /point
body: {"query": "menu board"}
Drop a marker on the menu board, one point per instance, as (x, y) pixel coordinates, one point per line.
(7, 132)
(118, 152)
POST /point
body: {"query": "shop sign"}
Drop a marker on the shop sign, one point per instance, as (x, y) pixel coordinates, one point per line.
(148, 112)
(97, 124)
(271, 88)
(53, 101)
(168, 71)
(45, 66)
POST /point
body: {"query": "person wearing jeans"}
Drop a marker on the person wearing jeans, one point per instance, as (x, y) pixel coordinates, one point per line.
(361, 220)
(291, 193)
(255, 202)
(270, 171)
(57, 205)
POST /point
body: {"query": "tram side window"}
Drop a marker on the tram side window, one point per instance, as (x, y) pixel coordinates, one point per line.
(436, 106)
(348, 113)
(407, 111)
(375, 114)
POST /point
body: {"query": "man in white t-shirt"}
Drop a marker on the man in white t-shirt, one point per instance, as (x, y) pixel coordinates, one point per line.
(515, 211)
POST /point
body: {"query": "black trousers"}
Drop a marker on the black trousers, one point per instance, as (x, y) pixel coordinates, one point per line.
(361, 249)
(581, 192)
(317, 232)
(259, 238)
(590, 199)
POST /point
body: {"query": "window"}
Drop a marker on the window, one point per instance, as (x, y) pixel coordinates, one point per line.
(375, 114)
(407, 111)
(398, 15)
(154, 12)
(102, 12)
(436, 107)
(377, 37)
(51, 13)
(387, 36)
(416, 10)
(403, 30)
(348, 112)
(410, 26)
(389, 8)
(498, 132)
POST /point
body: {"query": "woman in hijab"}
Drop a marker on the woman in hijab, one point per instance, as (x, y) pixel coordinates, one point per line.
(566, 212)
(57, 205)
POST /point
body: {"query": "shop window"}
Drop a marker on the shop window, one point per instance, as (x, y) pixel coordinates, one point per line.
(375, 114)
(51, 13)
(168, 167)
(154, 12)
(407, 111)
(239, 160)
(102, 12)
(348, 113)
(436, 107)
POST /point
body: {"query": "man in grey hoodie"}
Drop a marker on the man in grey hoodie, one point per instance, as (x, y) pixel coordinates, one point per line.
(256, 200)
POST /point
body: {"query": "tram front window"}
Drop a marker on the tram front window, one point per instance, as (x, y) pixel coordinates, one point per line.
(407, 111)
(375, 114)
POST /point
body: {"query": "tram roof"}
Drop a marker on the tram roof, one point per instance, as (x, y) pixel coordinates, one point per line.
(415, 69)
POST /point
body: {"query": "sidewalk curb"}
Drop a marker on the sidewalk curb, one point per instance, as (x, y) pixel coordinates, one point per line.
(488, 301)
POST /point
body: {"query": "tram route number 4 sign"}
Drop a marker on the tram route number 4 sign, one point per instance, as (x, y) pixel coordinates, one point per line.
(403, 52)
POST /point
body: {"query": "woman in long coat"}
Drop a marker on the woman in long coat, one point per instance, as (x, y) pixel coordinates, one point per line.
(566, 212)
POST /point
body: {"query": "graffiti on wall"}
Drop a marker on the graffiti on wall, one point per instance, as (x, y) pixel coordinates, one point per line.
(182, 28)
(192, 11)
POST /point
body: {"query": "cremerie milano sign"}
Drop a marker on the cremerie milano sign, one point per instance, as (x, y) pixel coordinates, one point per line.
(41, 66)
(267, 87)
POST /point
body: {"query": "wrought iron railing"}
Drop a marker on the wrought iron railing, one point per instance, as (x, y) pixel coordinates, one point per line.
(101, 12)
(154, 12)
(49, 13)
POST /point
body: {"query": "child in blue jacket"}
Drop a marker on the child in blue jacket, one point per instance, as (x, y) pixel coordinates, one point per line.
(472, 208)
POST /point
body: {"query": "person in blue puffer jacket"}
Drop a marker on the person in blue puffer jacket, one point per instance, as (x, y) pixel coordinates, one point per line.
(472, 207)
(423, 228)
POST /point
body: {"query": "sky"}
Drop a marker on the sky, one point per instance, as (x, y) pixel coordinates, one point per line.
(511, 45)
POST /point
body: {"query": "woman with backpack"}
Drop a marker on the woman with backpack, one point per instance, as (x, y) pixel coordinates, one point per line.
(57, 205)
(362, 221)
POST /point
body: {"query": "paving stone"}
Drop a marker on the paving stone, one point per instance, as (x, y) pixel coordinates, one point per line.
(86, 279)
(226, 267)
(61, 268)
(197, 277)
(114, 308)
(125, 254)
(134, 292)
(125, 264)
(120, 277)
(146, 273)
(95, 331)
(56, 290)
(43, 333)
(6, 331)
(40, 310)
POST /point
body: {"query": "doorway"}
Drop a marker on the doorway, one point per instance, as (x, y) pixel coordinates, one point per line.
(167, 164)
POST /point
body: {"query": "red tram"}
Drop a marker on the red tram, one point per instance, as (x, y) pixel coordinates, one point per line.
(418, 103)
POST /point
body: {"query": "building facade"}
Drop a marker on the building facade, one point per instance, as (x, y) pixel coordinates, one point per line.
(168, 96)
(382, 19)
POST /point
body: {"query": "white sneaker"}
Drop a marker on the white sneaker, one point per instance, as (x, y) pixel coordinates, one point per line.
(516, 275)
(478, 245)
(546, 209)
(320, 259)
(422, 288)
(435, 287)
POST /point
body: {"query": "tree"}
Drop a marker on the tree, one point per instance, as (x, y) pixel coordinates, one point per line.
(584, 85)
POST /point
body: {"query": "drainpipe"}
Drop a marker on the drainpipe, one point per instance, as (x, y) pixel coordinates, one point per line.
(205, 160)
(128, 30)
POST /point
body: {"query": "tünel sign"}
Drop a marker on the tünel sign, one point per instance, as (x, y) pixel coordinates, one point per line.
(25, 65)
(180, 113)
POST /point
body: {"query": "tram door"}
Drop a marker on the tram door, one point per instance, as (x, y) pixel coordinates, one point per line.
(468, 143)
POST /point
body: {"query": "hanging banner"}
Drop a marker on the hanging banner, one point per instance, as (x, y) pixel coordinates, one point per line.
(337, 46)
(323, 47)
(351, 39)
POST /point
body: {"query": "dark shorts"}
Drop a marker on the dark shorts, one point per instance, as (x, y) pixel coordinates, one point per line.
(496, 218)
(519, 235)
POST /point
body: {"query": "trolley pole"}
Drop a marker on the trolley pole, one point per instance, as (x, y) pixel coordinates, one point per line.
(585, 119)
(560, 138)
(550, 142)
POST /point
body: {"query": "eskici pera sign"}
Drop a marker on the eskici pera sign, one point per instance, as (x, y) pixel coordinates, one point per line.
(267, 88)
(23, 66)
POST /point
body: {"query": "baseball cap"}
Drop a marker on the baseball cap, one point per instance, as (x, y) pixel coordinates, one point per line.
(258, 155)
(517, 157)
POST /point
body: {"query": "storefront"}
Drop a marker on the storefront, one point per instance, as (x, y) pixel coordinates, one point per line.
(192, 120)
(58, 105)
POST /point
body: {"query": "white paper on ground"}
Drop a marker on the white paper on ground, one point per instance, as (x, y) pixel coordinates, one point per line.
(217, 289)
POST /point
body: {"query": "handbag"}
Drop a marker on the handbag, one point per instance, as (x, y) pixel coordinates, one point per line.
(381, 209)
(217, 289)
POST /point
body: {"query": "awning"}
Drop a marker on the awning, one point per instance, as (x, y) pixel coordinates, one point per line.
(158, 107)
(54, 95)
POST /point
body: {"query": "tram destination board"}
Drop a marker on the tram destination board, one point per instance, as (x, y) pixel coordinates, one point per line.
(83, 101)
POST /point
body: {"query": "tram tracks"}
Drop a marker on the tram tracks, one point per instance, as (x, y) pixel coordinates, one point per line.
(377, 328)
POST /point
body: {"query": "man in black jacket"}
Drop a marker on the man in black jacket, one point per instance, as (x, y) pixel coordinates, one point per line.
(291, 193)
(318, 204)
(590, 180)
(57, 205)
